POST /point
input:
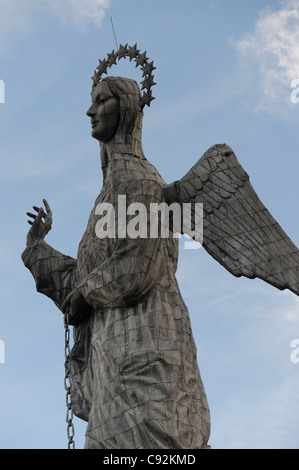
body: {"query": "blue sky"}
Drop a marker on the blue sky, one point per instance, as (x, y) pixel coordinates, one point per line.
(224, 73)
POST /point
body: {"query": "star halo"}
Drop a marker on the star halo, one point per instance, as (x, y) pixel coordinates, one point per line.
(141, 61)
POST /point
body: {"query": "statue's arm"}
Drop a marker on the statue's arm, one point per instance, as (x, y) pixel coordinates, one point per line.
(129, 274)
(123, 282)
(53, 272)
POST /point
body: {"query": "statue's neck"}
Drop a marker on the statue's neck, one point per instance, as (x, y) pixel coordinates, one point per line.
(127, 140)
(131, 147)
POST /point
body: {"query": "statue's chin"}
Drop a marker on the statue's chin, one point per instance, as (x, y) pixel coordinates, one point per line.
(102, 137)
(95, 137)
(94, 134)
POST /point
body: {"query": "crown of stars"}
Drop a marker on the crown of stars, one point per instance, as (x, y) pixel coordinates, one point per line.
(140, 60)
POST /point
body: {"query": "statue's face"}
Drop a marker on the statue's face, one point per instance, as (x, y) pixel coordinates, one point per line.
(104, 113)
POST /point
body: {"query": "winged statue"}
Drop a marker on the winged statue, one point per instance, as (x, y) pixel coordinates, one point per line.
(134, 372)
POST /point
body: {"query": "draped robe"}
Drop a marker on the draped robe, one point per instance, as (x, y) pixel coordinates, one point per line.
(135, 377)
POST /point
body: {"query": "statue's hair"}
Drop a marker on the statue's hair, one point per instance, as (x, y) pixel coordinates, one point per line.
(130, 106)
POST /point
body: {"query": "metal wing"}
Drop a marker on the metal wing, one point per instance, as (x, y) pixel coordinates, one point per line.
(238, 230)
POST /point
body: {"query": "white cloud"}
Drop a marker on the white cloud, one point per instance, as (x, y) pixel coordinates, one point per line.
(79, 11)
(17, 15)
(14, 17)
(272, 49)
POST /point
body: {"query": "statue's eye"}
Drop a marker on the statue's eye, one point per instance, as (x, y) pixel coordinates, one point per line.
(103, 99)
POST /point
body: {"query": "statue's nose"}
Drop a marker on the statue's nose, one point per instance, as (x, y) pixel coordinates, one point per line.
(90, 112)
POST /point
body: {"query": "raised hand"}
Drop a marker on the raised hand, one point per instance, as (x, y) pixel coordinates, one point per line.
(41, 223)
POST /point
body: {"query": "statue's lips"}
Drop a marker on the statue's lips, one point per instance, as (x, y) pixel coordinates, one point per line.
(94, 123)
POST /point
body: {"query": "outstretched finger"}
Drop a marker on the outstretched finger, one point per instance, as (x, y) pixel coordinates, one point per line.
(39, 215)
(31, 215)
(48, 208)
(37, 209)
(48, 218)
(36, 218)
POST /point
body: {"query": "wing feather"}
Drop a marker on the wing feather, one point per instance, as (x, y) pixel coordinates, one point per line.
(238, 230)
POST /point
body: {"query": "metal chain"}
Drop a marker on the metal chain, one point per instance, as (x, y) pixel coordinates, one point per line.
(67, 386)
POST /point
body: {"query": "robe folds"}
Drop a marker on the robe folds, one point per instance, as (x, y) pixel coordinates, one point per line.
(135, 377)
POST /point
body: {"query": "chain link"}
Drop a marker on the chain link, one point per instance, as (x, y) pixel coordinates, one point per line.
(67, 386)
